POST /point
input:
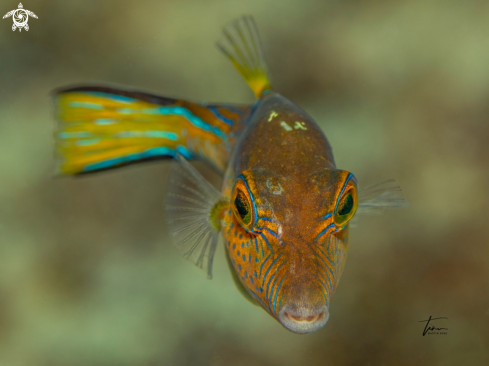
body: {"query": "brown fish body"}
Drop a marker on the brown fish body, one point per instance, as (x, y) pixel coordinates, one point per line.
(285, 163)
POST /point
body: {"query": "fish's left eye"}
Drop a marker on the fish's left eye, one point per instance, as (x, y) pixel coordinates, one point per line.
(242, 205)
(347, 206)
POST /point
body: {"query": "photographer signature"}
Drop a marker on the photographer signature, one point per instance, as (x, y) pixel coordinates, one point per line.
(427, 328)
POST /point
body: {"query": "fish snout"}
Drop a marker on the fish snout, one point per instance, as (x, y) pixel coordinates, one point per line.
(303, 320)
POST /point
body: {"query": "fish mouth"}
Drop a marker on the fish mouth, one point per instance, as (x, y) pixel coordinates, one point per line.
(303, 320)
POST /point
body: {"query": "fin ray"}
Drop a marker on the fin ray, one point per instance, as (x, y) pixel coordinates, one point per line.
(189, 202)
(374, 199)
(241, 44)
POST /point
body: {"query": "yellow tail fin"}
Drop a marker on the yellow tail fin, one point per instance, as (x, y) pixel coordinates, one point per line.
(101, 128)
(241, 43)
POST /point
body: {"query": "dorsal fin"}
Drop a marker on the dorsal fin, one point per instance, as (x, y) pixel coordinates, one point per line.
(241, 43)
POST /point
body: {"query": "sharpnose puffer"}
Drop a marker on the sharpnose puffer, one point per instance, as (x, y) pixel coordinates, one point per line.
(284, 208)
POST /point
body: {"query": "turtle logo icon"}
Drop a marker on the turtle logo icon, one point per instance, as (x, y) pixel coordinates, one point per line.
(20, 17)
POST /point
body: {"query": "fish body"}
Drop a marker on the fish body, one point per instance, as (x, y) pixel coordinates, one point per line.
(288, 258)
(283, 208)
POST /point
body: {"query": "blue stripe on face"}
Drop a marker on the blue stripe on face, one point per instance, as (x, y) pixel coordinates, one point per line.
(276, 294)
(329, 260)
(326, 216)
(326, 266)
(261, 247)
(270, 267)
(220, 116)
(270, 294)
(271, 231)
(266, 241)
(324, 231)
(280, 302)
(324, 288)
(325, 277)
(265, 261)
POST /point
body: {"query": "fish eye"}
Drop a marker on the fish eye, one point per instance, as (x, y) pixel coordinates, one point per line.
(242, 205)
(347, 206)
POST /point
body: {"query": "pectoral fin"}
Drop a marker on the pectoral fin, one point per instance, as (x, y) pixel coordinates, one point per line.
(374, 199)
(193, 209)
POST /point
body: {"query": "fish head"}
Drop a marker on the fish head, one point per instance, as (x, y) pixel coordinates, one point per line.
(287, 239)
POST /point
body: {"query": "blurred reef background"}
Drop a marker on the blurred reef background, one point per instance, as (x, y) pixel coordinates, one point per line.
(88, 275)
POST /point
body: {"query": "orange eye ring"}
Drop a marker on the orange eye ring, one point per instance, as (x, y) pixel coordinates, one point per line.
(347, 202)
(243, 205)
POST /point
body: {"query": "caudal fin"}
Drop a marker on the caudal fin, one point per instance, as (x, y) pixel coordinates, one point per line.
(241, 44)
(102, 128)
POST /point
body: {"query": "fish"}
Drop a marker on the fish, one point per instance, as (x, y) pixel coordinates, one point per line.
(284, 209)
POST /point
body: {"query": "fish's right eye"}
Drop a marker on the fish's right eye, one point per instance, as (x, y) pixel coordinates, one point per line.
(242, 204)
(243, 207)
